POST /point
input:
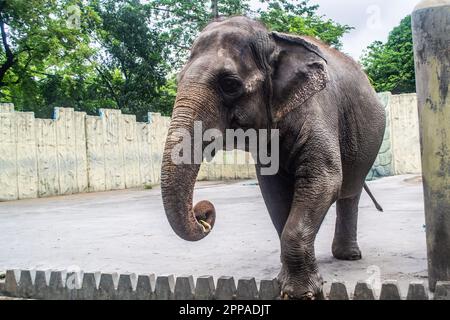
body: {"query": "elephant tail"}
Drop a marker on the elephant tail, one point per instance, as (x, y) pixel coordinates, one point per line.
(377, 205)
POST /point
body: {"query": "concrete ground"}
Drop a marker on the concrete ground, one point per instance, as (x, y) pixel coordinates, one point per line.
(127, 231)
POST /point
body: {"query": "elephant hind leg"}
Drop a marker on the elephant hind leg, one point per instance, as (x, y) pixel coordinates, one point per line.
(345, 243)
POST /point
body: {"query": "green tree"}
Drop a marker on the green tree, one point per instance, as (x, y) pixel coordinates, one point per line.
(37, 47)
(301, 18)
(390, 65)
(131, 63)
(180, 22)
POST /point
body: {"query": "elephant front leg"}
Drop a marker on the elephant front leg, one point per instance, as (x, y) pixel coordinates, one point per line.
(299, 277)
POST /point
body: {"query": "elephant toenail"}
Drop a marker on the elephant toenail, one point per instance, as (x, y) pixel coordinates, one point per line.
(308, 296)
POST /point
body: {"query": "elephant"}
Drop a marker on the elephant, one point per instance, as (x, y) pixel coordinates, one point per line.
(240, 75)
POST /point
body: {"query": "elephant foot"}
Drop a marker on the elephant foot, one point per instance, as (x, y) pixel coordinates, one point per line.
(346, 251)
(300, 288)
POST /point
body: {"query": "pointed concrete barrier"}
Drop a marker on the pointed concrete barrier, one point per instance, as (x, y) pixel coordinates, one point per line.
(269, 290)
(442, 291)
(417, 291)
(390, 291)
(11, 284)
(184, 288)
(2, 287)
(145, 288)
(56, 289)
(126, 286)
(72, 285)
(88, 287)
(41, 285)
(338, 291)
(25, 288)
(204, 290)
(107, 287)
(226, 288)
(363, 291)
(247, 289)
(165, 287)
(59, 285)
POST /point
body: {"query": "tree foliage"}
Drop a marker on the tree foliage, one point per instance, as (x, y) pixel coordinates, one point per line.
(123, 53)
(301, 18)
(390, 65)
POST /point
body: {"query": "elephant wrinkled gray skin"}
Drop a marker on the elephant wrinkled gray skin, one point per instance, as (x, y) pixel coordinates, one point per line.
(240, 75)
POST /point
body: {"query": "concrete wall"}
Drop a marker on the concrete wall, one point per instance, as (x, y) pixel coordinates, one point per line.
(75, 153)
(400, 152)
(405, 134)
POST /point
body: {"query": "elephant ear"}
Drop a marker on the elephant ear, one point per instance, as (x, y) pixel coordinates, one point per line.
(299, 72)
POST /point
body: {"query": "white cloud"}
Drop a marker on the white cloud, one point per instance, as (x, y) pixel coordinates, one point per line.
(372, 19)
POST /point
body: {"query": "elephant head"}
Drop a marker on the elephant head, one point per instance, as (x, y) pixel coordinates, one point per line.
(239, 76)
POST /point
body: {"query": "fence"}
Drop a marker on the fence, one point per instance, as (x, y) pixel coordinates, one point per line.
(75, 153)
(58, 285)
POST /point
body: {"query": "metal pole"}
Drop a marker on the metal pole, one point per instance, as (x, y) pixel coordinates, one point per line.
(431, 34)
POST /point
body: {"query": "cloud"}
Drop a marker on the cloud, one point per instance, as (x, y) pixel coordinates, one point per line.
(372, 19)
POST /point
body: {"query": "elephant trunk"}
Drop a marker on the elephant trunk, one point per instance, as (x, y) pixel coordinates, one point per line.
(194, 103)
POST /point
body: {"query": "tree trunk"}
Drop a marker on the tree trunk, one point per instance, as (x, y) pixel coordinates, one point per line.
(9, 55)
(215, 9)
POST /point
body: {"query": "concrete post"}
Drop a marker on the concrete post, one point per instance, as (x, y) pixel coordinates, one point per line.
(247, 289)
(184, 288)
(125, 288)
(204, 290)
(390, 291)
(417, 291)
(442, 290)
(431, 34)
(338, 291)
(363, 291)
(145, 287)
(88, 287)
(26, 288)
(165, 286)
(269, 290)
(226, 288)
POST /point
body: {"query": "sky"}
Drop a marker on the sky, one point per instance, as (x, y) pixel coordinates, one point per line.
(372, 19)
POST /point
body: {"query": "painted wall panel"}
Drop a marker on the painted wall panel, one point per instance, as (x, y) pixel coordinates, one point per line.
(67, 161)
(405, 134)
(8, 156)
(47, 158)
(130, 152)
(145, 163)
(114, 162)
(80, 151)
(158, 130)
(95, 142)
(27, 176)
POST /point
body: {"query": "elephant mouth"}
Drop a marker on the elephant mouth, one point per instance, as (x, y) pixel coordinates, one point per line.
(206, 226)
(205, 215)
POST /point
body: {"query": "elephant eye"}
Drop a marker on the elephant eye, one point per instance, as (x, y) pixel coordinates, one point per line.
(231, 86)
